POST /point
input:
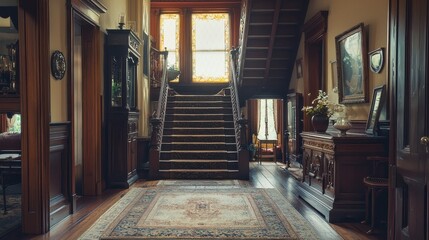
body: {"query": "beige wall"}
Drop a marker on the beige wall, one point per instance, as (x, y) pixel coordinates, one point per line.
(58, 41)
(343, 15)
(114, 10)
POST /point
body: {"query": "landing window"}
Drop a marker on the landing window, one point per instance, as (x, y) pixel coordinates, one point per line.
(198, 38)
(210, 47)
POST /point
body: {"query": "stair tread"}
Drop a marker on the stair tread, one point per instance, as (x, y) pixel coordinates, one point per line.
(211, 135)
(202, 114)
(197, 160)
(205, 121)
(197, 170)
(200, 143)
(199, 151)
(196, 107)
(196, 101)
(182, 128)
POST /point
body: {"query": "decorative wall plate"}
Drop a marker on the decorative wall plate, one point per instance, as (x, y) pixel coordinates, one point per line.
(58, 65)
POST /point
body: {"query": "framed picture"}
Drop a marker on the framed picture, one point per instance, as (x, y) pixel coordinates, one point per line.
(298, 68)
(352, 65)
(374, 112)
(334, 76)
(376, 60)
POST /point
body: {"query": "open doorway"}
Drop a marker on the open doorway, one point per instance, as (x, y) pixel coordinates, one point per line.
(85, 108)
(10, 120)
(265, 128)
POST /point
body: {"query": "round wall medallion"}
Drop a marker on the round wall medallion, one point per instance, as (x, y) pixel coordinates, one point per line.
(58, 65)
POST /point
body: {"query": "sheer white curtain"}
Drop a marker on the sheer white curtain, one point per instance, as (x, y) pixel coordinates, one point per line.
(267, 124)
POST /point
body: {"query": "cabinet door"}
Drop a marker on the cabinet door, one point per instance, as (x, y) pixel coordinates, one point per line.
(294, 127)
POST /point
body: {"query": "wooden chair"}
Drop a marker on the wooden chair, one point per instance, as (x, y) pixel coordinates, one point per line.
(376, 185)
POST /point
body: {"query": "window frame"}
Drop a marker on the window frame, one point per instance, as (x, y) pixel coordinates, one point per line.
(185, 47)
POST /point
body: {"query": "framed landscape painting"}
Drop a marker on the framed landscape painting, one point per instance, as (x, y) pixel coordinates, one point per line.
(352, 65)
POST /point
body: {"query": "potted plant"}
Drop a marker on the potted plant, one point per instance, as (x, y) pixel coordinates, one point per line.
(321, 110)
(172, 73)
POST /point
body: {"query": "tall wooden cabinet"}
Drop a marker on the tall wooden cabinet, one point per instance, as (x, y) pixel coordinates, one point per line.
(121, 106)
(293, 127)
(333, 169)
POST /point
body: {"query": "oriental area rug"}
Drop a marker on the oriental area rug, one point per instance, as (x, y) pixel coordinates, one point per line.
(218, 212)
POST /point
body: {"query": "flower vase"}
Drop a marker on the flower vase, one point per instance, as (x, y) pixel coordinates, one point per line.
(320, 122)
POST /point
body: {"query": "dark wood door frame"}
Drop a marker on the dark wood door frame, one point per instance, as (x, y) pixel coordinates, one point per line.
(315, 37)
(87, 15)
(35, 110)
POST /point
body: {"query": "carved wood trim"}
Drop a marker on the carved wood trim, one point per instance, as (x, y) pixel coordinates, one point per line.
(320, 146)
(315, 31)
(35, 108)
(91, 9)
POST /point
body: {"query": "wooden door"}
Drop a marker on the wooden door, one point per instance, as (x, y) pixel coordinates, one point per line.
(409, 78)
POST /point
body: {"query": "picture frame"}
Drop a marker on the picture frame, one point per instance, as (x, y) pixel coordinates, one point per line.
(376, 60)
(352, 65)
(334, 76)
(299, 68)
(377, 104)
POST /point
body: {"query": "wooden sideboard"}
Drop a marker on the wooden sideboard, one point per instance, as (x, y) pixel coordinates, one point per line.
(333, 169)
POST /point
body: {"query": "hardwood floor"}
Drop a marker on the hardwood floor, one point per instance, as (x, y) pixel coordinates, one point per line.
(266, 175)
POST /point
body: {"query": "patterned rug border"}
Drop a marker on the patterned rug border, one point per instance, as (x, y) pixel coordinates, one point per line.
(301, 228)
(200, 183)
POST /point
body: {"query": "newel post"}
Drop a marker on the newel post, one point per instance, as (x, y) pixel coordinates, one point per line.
(155, 147)
(243, 152)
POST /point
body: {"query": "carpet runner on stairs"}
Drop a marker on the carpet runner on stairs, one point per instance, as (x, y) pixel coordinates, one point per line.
(198, 138)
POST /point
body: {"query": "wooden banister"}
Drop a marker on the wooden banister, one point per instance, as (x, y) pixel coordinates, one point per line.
(239, 121)
(159, 61)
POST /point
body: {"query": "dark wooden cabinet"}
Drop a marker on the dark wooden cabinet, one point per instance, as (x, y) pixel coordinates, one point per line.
(121, 107)
(334, 167)
(293, 127)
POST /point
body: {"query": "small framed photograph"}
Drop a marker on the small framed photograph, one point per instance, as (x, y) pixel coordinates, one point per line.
(376, 60)
(352, 65)
(374, 112)
(298, 68)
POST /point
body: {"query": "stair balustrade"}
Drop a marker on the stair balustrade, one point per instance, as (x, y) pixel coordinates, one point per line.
(158, 78)
(239, 121)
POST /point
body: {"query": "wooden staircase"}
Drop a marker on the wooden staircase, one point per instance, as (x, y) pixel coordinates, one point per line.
(198, 140)
(269, 39)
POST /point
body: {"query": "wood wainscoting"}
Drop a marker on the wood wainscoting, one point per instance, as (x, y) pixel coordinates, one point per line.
(60, 203)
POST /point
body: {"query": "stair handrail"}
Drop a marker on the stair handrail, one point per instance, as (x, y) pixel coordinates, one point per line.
(234, 93)
(163, 91)
(157, 120)
(239, 120)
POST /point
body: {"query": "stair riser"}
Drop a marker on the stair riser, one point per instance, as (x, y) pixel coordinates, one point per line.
(199, 98)
(225, 117)
(198, 111)
(197, 165)
(199, 104)
(199, 124)
(199, 155)
(202, 146)
(198, 131)
(227, 139)
(198, 175)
